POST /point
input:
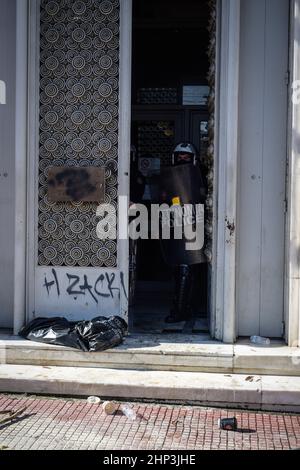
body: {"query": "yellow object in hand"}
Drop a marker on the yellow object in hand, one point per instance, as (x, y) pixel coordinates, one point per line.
(176, 201)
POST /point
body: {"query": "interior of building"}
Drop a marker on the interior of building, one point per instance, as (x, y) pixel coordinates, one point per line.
(169, 105)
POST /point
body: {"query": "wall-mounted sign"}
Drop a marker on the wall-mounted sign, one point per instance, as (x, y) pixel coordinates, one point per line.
(149, 166)
(86, 184)
(195, 95)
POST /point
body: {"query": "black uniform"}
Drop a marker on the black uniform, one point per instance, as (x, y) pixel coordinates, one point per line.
(184, 182)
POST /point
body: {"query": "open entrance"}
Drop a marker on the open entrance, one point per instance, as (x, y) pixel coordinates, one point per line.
(169, 105)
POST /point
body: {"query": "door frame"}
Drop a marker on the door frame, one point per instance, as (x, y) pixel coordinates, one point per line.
(292, 243)
(21, 153)
(33, 151)
(223, 288)
(124, 143)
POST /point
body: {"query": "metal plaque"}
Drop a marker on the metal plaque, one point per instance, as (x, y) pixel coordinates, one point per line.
(84, 184)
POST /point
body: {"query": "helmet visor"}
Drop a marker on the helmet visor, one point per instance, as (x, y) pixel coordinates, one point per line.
(181, 158)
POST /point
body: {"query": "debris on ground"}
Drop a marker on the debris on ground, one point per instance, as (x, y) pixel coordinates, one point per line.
(128, 411)
(109, 407)
(260, 341)
(249, 379)
(227, 424)
(98, 334)
(93, 400)
(12, 415)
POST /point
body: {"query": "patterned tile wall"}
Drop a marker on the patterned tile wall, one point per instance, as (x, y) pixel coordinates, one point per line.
(79, 85)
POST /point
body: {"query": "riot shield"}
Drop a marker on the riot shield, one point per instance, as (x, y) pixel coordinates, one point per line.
(183, 181)
(182, 188)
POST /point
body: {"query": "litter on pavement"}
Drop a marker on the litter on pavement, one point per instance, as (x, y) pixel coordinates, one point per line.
(97, 334)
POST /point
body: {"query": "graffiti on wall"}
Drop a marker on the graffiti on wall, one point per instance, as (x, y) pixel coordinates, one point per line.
(107, 285)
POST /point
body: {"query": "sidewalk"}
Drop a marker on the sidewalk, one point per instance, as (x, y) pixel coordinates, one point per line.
(55, 423)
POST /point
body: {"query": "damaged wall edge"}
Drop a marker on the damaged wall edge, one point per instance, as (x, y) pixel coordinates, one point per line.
(227, 151)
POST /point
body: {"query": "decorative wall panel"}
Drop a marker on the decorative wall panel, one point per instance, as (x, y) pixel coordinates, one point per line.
(79, 86)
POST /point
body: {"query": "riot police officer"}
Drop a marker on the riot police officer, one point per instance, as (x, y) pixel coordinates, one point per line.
(182, 182)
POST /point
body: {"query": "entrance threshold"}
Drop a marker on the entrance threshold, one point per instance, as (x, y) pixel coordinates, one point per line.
(172, 352)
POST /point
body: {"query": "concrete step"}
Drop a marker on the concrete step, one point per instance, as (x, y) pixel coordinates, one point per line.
(224, 390)
(172, 352)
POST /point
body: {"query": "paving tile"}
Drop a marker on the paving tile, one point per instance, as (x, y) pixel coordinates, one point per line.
(52, 423)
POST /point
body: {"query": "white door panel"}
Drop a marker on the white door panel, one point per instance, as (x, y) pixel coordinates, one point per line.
(263, 123)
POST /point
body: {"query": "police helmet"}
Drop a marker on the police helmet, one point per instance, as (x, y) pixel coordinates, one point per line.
(184, 148)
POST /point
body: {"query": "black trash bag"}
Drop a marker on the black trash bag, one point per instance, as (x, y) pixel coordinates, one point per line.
(95, 335)
(101, 333)
(55, 330)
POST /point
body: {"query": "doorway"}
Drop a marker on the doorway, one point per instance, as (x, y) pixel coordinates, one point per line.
(169, 105)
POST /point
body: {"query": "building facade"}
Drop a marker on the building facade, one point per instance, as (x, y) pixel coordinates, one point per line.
(68, 78)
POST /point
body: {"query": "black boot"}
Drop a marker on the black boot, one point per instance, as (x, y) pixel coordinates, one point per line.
(182, 310)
